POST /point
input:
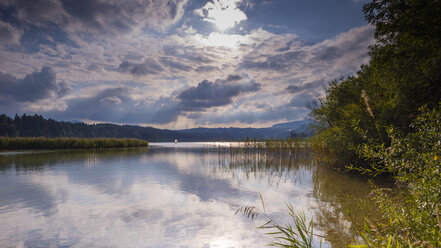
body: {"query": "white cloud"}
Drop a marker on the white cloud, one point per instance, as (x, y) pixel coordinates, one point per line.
(276, 61)
(223, 13)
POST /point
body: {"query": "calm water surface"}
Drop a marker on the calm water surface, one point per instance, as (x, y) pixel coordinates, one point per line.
(169, 195)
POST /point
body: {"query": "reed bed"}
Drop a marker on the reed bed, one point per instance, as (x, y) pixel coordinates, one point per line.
(268, 144)
(278, 159)
(275, 158)
(24, 143)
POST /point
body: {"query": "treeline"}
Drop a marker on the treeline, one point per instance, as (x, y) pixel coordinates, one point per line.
(387, 119)
(38, 126)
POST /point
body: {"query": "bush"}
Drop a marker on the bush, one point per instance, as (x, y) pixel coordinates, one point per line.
(415, 160)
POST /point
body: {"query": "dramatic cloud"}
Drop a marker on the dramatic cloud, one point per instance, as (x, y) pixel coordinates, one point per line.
(309, 86)
(165, 63)
(120, 104)
(302, 100)
(223, 13)
(111, 105)
(149, 66)
(111, 17)
(35, 86)
(204, 96)
(41, 13)
(211, 94)
(307, 69)
(9, 34)
(347, 50)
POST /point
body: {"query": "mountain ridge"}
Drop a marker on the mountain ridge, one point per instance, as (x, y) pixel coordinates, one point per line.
(36, 126)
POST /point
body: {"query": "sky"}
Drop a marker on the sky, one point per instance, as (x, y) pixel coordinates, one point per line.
(176, 63)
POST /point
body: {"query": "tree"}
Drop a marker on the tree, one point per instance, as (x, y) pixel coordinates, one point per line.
(404, 73)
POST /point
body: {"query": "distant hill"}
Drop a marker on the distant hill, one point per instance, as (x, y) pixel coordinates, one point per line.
(36, 126)
(294, 125)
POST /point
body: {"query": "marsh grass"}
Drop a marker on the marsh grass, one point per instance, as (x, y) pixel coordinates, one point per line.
(257, 161)
(23, 143)
(269, 144)
(299, 234)
(335, 192)
(277, 158)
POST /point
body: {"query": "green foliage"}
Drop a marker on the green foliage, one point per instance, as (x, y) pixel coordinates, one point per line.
(299, 235)
(404, 73)
(387, 117)
(68, 143)
(339, 112)
(414, 218)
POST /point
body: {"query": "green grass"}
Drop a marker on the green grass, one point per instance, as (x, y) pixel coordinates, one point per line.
(300, 234)
(23, 143)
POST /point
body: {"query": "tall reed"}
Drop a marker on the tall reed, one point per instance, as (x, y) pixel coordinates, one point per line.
(299, 235)
(23, 143)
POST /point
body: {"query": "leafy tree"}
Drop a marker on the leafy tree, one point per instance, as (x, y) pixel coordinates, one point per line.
(404, 74)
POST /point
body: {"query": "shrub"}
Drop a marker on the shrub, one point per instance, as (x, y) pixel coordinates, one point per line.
(415, 161)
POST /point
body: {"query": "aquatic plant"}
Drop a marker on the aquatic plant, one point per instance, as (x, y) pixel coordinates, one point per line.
(299, 234)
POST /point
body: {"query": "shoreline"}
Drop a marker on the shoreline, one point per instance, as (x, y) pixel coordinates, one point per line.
(44, 143)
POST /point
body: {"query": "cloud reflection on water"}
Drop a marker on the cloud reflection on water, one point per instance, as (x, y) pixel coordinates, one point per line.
(156, 198)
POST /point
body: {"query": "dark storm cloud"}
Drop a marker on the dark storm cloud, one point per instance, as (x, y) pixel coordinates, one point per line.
(99, 15)
(309, 86)
(105, 105)
(211, 94)
(295, 88)
(106, 17)
(204, 96)
(9, 34)
(167, 113)
(33, 87)
(119, 105)
(36, 12)
(301, 100)
(148, 67)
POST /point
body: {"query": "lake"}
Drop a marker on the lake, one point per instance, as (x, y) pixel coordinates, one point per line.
(169, 195)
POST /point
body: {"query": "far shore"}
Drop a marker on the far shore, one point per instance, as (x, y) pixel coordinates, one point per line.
(35, 143)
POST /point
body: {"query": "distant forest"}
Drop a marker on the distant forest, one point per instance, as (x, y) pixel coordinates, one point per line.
(38, 126)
